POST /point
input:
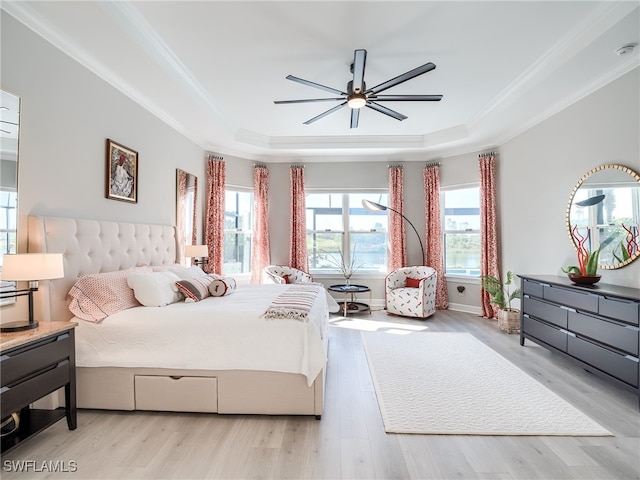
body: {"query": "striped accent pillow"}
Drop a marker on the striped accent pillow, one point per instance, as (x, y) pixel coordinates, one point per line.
(197, 288)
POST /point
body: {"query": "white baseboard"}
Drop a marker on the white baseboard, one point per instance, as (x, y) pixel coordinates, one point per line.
(460, 307)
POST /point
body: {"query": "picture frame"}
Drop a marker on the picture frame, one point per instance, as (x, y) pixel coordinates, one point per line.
(122, 173)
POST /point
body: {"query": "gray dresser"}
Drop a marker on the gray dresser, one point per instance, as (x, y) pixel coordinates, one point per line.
(598, 326)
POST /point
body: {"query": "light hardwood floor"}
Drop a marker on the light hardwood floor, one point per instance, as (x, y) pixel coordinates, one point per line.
(349, 442)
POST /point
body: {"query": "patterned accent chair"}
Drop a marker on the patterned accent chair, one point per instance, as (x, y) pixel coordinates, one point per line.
(411, 292)
(284, 274)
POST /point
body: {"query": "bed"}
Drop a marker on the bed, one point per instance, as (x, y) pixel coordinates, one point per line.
(219, 355)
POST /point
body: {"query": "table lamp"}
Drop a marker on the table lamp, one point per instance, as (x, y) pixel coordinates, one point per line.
(197, 251)
(29, 267)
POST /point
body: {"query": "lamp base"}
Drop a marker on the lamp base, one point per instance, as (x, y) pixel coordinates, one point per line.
(17, 326)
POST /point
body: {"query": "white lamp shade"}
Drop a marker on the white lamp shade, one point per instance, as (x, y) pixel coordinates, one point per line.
(32, 266)
(195, 251)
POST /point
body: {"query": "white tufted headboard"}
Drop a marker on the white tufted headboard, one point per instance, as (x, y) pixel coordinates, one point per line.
(93, 246)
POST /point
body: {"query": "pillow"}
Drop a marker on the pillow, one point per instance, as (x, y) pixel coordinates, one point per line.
(155, 289)
(413, 282)
(195, 289)
(222, 286)
(186, 272)
(96, 296)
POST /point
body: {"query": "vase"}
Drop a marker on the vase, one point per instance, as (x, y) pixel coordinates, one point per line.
(584, 279)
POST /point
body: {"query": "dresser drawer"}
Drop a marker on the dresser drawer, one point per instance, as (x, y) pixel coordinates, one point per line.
(571, 298)
(176, 394)
(22, 362)
(545, 311)
(622, 367)
(530, 287)
(19, 396)
(625, 310)
(548, 334)
(618, 336)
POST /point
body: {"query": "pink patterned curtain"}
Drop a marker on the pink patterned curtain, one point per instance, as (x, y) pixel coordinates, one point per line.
(194, 227)
(298, 244)
(397, 235)
(216, 176)
(488, 228)
(433, 221)
(260, 256)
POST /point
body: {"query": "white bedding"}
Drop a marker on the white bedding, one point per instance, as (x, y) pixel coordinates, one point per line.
(217, 333)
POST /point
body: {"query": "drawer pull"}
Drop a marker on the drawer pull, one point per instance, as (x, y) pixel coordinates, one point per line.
(571, 334)
(564, 307)
(633, 359)
(4, 389)
(4, 357)
(632, 328)
(62, 337)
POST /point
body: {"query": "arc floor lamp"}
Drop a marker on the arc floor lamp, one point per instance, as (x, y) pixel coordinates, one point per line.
(373, 206)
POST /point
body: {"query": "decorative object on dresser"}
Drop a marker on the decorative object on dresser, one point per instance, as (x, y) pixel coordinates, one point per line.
(34, 364)
(598, 326)
(29, 267)
(501, 296)
(603, 213)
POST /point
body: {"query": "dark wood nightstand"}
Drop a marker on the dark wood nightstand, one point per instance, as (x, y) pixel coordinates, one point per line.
(34, 364)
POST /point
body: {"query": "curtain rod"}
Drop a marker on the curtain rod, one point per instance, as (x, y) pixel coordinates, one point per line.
(391, 165)
(259, 165)
(482, 155)
(432, 164)
(295, 165)
(214, 157)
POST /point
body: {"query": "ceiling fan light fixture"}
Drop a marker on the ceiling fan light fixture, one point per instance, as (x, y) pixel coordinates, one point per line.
(357, 100)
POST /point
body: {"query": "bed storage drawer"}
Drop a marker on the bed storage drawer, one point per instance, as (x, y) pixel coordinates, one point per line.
(176, 394)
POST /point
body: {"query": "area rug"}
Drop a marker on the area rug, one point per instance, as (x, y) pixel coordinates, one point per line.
(453, 384)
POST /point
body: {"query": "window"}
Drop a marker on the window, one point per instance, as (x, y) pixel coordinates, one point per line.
(238, 221)
(8, 231)
(461, 229)
(338, 224)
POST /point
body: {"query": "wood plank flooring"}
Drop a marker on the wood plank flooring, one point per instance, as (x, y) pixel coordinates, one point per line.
(349, 442)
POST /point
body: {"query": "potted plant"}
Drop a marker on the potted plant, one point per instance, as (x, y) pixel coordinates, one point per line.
(586, 272)
(501, 296)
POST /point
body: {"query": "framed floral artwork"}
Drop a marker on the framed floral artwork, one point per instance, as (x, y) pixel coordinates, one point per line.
(122, 172)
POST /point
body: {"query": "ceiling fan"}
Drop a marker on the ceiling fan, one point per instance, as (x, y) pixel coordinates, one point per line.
(358, 95)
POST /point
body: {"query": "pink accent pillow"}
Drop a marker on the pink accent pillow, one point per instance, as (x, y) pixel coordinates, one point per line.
(413, 282)
(96, 296)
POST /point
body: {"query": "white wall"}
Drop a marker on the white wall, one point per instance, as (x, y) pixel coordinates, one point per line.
(68, 112)
(539, 169)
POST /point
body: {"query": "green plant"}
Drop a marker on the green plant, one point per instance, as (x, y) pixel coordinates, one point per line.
(587, 261)
(499, 291)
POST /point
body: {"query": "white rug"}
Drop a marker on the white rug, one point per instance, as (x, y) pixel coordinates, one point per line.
(453, 384)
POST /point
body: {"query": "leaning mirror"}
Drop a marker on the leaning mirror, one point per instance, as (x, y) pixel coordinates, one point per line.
(604, 207)
(186, 198)
(9, 130)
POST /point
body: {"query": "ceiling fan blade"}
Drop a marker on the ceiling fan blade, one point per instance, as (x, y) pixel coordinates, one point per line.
(315, 85)
(406, 98)
(308, 100)
(427, 67)
(359, 61)
(386, 111)
(355, 115)
(324, 114)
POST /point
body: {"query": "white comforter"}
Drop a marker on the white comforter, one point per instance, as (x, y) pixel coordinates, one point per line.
(217, 333)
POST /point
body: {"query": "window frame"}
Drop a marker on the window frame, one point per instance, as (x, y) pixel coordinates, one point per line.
(239, 231)
(469, 278)
(345, 232)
